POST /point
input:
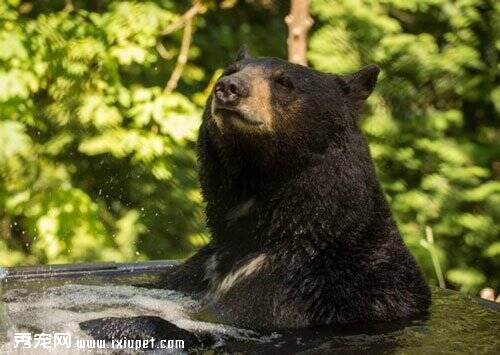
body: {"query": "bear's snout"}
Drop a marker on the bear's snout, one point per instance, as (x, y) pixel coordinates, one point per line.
(230, 89)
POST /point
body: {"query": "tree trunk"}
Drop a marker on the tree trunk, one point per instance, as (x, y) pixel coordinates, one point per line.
(298, 22)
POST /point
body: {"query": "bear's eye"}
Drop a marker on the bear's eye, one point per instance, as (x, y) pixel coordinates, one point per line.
(283, 80)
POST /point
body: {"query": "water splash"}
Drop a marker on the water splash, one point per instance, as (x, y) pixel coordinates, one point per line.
(456, 324)
(62, 308)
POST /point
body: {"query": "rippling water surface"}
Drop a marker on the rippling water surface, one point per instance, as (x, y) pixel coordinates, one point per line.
(457, 324)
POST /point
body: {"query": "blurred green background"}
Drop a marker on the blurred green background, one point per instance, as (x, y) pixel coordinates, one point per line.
(97, 156)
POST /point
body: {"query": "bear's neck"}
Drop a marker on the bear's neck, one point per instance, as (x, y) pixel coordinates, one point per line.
(331, 199)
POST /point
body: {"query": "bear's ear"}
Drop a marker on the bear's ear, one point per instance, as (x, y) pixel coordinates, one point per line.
(243, 53)
(362, 83)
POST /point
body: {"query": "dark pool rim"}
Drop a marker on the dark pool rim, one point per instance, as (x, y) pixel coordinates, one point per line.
(84, 269)
(40, 272)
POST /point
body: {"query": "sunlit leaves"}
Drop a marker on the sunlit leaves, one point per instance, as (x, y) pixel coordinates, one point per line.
(469, 278)
(15, 174)
(13, 48)
(14, 140)
(94, 109)
(127, 55)
(61, 218)
(16, 84)
(132, 29)
(91, 147)
(174, 114)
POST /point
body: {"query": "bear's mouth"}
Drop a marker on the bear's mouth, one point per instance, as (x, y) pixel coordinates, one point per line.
(233, 113)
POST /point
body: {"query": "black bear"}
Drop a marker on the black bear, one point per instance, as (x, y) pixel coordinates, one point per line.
(301, 232)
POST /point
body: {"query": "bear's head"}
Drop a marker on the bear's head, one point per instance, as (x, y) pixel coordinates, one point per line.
(269, 112)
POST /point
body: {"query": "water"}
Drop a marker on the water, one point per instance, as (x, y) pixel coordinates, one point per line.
(36, 303)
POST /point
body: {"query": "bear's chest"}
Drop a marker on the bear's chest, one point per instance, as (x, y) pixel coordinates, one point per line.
(224, 278)
(254, 291)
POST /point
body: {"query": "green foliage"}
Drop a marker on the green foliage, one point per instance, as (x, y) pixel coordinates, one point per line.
(98, 164)
(433, 122)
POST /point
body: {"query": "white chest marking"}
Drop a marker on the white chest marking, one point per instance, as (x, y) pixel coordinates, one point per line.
(248, 269)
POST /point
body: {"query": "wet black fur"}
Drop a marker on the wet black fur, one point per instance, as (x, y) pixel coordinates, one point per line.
(333, 253)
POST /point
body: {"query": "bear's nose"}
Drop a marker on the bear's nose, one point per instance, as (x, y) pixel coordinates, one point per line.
(229, 89)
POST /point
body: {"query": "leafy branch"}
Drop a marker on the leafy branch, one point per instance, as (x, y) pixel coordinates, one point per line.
(185, 21)
(187, 37)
